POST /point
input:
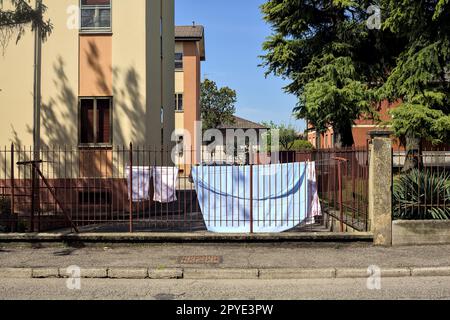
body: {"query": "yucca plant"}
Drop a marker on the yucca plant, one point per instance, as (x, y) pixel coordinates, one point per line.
(422, 195)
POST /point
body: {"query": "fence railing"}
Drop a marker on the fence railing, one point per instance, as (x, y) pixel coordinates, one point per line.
(423, 190)
(92, 190)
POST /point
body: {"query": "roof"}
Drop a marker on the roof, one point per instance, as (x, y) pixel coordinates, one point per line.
(240, 123)
(192, 33)
(189, 32)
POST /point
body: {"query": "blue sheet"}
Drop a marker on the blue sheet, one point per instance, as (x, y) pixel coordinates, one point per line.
(280, 198)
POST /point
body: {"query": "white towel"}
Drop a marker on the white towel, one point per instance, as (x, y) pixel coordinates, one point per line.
(165, 184)
(315, 208)
(141, 183)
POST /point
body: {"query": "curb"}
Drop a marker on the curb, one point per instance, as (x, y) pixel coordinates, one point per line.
(186, 237)
(220, 274)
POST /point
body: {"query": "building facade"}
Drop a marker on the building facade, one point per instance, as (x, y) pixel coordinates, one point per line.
(360, 130)
(189, 54)
(107, 76)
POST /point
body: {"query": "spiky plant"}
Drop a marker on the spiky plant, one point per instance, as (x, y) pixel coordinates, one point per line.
(422, 195)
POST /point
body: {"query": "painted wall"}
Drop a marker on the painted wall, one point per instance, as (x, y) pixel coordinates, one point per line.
(126, 64)
(59, 84)
(132, 116)
(95, 66)
(191, 66)
(168, 67)
(179, 87)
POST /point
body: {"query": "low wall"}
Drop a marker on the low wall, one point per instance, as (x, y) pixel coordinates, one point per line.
(420, 232)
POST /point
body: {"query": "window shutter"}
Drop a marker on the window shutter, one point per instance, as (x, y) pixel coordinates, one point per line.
(104, 121)
(87, 121)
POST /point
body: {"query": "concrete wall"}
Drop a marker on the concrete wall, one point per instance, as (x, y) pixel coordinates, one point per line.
(420, 232)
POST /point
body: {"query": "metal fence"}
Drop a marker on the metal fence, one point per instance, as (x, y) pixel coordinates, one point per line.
(343, 176)
(88, 190)
(422, 192)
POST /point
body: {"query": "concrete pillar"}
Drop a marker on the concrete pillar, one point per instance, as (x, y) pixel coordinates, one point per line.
(380, 189)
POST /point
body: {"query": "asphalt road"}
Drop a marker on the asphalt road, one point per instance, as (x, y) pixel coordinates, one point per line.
(391, 288)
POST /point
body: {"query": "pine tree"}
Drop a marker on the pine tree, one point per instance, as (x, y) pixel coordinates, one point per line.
(420, 77)
(332, 59)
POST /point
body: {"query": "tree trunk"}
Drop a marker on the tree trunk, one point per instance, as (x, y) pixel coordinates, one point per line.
(343, 136)
(413, 152)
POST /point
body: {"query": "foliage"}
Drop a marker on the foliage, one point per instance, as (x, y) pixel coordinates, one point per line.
(336, 65)
(420, 77)
(302, 145)
(330, 56)
(287, 135)
(421, 195)
(217, 104)
(20, 14)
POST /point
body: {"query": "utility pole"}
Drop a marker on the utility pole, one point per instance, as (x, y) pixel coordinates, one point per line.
(35, 202)
(37, 85)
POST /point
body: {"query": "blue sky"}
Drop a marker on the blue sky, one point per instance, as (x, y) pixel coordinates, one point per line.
(235, 32)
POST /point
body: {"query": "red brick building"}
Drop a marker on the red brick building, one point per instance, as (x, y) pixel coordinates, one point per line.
(360, 130)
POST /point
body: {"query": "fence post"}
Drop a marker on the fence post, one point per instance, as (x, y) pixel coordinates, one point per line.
(380, 188)
(13, 192)
(341, 205)
(33, 198)
(131, 187)
(251, 197)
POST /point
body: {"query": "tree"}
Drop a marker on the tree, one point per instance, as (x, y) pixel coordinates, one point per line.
(331, 58)
(286, 133)
(18, 15)
(420, 77)
(217, 104)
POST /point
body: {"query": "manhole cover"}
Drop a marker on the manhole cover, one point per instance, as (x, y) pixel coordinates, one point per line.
(201, 260)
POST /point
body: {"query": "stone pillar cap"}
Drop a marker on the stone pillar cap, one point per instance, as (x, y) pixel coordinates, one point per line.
(381, 133)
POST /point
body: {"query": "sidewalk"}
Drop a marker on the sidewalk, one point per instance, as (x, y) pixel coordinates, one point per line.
(225, 261)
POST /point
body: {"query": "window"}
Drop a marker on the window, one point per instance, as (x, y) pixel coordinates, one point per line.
(95, 121)
(179, 102)
(178, 61)
(180, 145)
(95, 15)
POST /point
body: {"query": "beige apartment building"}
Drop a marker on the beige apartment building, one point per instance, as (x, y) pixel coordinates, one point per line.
(189, 53)
(107, 76)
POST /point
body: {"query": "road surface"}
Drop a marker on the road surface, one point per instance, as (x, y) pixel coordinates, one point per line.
(391, 288)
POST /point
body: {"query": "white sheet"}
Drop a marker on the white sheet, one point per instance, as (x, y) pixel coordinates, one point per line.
(141, 183)
(165, 184)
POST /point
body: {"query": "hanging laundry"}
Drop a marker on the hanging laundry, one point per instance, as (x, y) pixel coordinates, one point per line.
(140, 185)
(165, 184)
(314, 208)
(276, 199)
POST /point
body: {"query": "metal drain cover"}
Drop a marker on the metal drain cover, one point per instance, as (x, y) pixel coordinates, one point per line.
(201, 260)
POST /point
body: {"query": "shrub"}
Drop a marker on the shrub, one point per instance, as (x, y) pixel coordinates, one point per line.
(422, 195)
(5, 213)
(302, 145)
